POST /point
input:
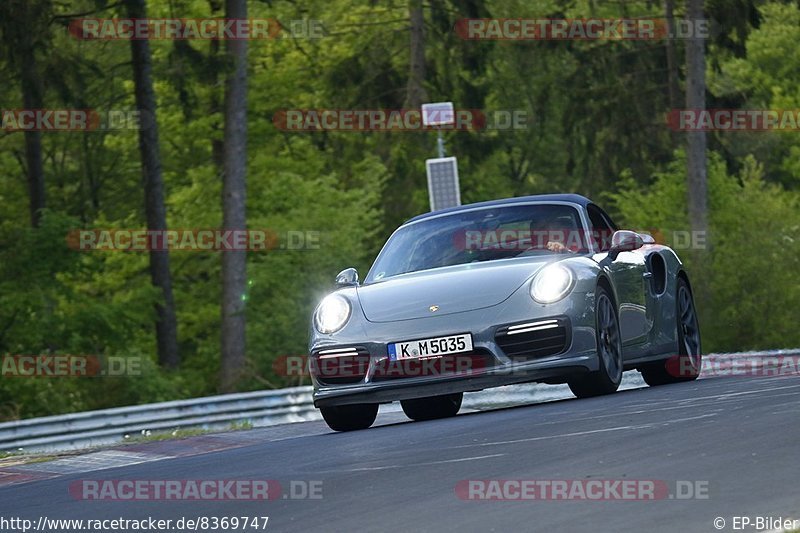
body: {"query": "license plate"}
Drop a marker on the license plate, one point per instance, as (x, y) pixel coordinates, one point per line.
(434, 347)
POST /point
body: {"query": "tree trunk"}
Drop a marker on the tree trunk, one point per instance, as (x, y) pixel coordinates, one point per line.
(415, 91)
(672, 64)
(155, 211)
(217, 144)
(32, 99)
(696, 100)
(234, 195)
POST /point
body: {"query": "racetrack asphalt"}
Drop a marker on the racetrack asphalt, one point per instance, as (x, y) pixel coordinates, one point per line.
(737, 437)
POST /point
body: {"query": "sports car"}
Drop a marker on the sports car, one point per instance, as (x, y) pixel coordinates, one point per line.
(529, 289)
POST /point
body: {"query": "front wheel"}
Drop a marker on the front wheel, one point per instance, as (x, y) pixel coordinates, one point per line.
(432, 407)
(350, 417)
(609, 350)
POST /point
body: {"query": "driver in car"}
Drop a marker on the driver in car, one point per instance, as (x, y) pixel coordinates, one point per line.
(553, 235)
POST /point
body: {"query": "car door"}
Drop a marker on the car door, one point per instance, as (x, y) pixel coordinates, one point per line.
(628, 271)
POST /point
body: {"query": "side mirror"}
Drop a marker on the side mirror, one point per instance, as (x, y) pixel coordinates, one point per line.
(625, 241)
(347, 277)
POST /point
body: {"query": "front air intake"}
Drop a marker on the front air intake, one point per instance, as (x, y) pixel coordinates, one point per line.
(532, 340)
(340, 366)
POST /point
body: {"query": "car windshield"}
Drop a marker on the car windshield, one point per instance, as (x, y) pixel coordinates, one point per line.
(487, 234)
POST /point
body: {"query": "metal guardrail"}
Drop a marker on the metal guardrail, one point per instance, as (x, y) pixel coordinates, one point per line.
(261, 408)
(106, 426)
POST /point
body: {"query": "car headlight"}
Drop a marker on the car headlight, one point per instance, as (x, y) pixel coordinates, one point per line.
(552, 283)
(332, 313)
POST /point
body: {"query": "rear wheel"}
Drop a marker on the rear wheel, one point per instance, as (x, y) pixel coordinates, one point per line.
(609, 350)
(432, 407)
(350, 417)
(686, 365)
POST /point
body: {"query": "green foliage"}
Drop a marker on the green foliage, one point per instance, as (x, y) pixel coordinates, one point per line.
(748, 270)
(767, 78)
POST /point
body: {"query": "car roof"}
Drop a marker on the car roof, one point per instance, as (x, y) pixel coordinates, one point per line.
(571, 198)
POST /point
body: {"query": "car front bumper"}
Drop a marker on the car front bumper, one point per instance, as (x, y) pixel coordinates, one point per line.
(418, 387)
(578, 355)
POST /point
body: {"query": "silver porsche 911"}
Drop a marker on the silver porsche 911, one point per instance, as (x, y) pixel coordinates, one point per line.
(539, 288)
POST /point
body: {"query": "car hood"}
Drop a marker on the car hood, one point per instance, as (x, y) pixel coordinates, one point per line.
(453, 289)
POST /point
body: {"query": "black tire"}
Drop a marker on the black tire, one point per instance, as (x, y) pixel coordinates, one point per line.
(609, 351)
(350, 417)
(687, 363)
(432, 407)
